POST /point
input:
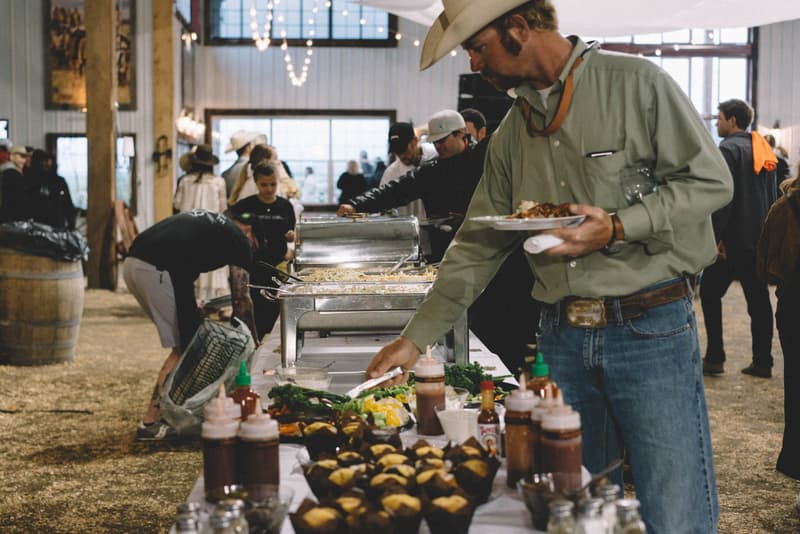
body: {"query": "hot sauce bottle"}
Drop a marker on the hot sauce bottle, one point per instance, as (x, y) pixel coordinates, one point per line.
(540, 376)
(244, 394)
(488, 420)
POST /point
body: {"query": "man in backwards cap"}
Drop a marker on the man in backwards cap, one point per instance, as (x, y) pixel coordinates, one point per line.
(618, 327)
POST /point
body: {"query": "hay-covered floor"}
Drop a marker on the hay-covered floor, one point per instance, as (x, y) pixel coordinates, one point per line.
(69, 463)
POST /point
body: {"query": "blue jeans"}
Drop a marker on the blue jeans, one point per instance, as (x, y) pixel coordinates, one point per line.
(638, 386)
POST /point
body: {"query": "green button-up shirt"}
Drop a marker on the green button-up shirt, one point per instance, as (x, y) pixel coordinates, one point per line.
(621, 104)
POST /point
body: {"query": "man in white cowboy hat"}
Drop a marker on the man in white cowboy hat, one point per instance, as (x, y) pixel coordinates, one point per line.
(618, 326)
(242, 142)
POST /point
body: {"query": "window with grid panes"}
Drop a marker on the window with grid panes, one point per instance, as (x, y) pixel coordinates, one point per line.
(316, 148)
(710, 65)
(328, 23)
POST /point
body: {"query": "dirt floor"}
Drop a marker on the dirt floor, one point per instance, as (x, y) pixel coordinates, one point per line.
(69, 462)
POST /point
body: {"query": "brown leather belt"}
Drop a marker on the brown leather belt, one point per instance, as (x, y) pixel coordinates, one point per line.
(584, 312)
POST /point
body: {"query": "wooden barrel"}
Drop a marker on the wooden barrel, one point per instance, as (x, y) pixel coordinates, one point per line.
(41, 302)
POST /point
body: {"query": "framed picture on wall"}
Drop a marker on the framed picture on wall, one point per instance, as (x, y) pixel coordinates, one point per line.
(66, 54)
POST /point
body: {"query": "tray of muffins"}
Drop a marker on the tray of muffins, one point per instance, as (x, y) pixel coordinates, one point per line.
(364, 481)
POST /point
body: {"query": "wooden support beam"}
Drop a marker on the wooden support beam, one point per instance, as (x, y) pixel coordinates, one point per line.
(163, 107)
(100, 120)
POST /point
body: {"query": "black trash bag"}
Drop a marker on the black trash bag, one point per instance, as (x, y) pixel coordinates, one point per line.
(43, 240)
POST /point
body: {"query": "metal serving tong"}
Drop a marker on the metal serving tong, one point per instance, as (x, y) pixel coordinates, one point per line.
(371, 383)
(279, 272)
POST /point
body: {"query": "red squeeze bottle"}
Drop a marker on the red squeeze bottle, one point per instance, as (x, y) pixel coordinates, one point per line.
(244, 394)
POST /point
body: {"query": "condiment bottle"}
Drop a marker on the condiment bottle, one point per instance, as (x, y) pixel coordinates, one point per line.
(561, 520)
(537, 413)
(219, 449)
(231, 407)
(186, 523)
(258, 451)
(540, 376)
(590, 521)
(519, 443)
(628, 519)
(429, 385)
(221, 522)
(561, 445)
(244, 394)
(609, 493)
(488, 420)
(235, 507)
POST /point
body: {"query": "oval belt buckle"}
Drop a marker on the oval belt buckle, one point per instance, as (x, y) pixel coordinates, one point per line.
(586, 313)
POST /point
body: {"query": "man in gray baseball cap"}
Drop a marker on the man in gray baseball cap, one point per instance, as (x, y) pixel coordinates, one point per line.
(618, 327)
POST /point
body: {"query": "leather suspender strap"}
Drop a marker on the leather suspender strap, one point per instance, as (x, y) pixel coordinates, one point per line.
(561, 111)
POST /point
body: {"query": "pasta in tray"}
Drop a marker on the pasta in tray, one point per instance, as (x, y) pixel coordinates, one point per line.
(428, 274)
(338, 288)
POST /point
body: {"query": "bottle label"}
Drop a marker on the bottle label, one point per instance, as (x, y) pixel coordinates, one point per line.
(489, 437)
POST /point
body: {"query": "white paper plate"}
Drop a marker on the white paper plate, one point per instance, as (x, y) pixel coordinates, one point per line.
(501, 222)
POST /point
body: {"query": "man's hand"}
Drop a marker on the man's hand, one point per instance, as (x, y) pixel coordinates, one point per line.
(345, 209)
(593, 233)
(289, 236)
(400, 351)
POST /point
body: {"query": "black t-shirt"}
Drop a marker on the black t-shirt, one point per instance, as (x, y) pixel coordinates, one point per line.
(270, 225)
(196, 241)
(187, 244)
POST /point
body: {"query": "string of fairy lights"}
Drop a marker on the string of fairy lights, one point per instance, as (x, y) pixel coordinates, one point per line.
(263, 39)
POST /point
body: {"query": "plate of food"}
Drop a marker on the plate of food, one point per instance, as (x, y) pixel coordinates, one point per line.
(532, 215)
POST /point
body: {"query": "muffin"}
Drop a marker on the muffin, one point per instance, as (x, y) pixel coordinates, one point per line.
(321, 439)
(352, 501)
(422, 450)
(311, 518)
(476, 476)
(470, 449)
(404, 470)
(436, 483)
(377, 450)
(370, 522)
(406, 511)
(427, 464)
(349, 458)
(390, 459)
(451, 514)
(384, 483)
(330, 484)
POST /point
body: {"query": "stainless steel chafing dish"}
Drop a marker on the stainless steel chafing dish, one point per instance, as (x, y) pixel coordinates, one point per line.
(368, 241)
(372, 245)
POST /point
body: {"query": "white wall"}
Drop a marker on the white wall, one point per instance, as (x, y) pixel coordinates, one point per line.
(340, 78)
(778, 94)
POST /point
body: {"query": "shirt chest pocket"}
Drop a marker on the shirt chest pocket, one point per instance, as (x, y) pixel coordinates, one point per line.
(603, 162)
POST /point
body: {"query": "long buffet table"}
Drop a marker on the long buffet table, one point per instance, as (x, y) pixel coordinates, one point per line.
(505, 509)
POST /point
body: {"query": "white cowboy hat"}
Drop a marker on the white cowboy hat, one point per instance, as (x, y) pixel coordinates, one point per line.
(241, 138)
(460, 20)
